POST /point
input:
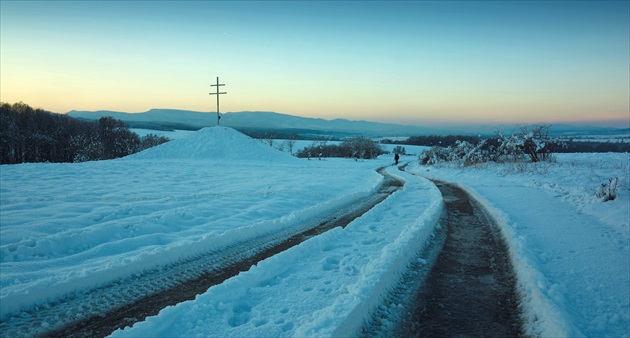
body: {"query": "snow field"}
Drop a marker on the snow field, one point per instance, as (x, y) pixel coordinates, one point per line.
(325, 286)
(69, 227)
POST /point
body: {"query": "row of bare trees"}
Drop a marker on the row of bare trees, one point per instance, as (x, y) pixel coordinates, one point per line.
(36, 135)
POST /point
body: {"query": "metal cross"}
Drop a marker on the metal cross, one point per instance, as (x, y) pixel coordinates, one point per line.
(217, 94)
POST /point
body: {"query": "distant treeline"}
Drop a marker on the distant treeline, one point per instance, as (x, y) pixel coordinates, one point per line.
(36, 135)
(288, 134)
(592, 147)
(569, 146)
(434, 140)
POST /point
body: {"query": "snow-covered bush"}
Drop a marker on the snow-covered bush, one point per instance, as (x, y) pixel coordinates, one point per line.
(608, 191)
(362, 147)
(434, 155)
(527, 143)
(533, 142)
(462, 153)
(472, 154)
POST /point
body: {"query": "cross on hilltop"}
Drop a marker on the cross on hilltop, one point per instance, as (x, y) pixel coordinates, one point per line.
(217, 94)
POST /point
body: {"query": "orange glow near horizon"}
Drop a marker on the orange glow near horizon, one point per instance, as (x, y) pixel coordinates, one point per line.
(422, 62)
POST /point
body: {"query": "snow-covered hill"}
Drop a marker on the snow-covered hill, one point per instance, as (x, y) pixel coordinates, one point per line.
(215, 144)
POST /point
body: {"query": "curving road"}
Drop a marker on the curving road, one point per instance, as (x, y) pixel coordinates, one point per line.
(464, 286)
(462, 283)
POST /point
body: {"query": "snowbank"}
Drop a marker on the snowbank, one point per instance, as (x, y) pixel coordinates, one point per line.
(325, 286)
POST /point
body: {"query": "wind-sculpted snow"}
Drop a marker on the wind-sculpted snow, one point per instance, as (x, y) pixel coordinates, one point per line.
(323, 287)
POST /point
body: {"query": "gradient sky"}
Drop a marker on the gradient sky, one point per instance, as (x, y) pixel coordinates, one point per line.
(411, 62)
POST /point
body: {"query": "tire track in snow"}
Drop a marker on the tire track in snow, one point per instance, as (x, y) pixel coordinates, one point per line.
(467, 289)
(99, 312)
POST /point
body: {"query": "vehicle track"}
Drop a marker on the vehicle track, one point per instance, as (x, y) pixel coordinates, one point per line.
(100, 311)
(467, 290)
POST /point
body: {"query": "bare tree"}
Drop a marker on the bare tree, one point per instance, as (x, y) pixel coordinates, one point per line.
(290, 143)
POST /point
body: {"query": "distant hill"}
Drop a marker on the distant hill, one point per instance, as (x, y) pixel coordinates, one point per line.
(160, 119)
(170, 119)
(256, 121)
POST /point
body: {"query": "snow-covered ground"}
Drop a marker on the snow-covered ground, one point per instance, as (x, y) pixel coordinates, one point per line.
(67, 227)
(73, 226)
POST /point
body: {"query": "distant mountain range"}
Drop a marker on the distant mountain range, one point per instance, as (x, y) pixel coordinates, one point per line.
(171, 119)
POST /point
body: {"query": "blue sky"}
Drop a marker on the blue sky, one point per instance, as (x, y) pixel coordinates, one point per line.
(412, 62)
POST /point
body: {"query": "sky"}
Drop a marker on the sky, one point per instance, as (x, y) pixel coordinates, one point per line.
(408, 62)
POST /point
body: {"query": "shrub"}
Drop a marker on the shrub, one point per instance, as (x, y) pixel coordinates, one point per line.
(533, 143)
(462, 153)
(399, 150)
(435, 155)
(317, 149)
(362, 147)
(608, 191)
(152, 140)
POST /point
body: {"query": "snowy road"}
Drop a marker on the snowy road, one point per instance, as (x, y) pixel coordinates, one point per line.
(471, 289)
(461, 284)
